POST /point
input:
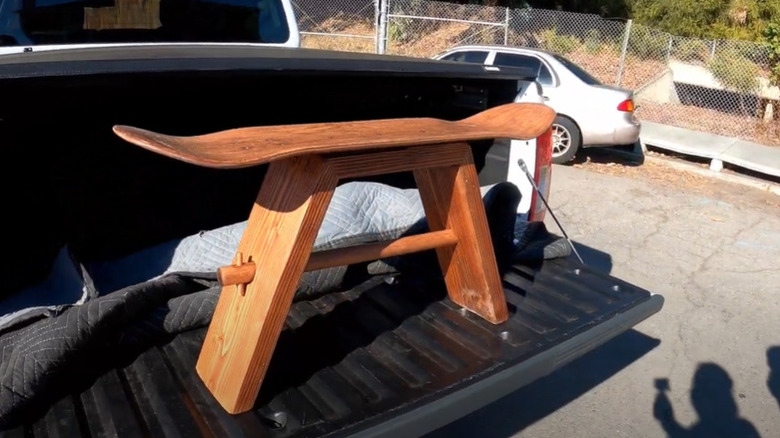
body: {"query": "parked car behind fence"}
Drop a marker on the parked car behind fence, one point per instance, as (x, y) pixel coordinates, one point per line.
(590, 113)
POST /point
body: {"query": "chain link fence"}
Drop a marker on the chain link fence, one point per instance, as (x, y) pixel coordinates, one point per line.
(424, 28)
(720, 87)
(345, 25)
(588, 40)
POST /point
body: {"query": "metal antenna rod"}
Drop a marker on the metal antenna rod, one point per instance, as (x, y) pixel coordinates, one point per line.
(521, 163)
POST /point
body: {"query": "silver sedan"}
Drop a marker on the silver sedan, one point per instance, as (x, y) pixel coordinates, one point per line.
(589, 113)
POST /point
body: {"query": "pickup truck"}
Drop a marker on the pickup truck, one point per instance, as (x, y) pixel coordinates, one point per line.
(107, 294)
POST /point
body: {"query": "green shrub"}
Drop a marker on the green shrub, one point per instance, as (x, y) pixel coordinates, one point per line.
(645, 43)
(401, 31)
(692, 50)
(734, 71)
(560, 44)
(772, 36)
(593, 43)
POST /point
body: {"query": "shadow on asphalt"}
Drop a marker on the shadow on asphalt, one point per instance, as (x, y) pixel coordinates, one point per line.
(528, 405)
(623, 155)
(773, 382)
(712, 396)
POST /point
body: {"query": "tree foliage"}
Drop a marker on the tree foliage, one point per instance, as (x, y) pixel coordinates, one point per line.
(772, 36)
(734, 71)
(712, 19)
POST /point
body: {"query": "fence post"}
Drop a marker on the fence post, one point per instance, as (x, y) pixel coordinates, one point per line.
(381, 43)
(669, 49)
(506, 26)
(376, 25)
(623, 52)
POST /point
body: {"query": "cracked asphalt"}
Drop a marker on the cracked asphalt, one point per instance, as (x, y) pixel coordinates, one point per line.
(701, 366)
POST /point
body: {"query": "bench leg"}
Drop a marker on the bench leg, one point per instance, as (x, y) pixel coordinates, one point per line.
(279, 237)
(452, 200)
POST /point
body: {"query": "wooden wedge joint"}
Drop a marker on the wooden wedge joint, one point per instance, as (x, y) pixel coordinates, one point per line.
(239, 274)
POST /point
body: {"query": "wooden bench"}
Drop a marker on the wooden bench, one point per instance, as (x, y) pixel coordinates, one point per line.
(306, 163)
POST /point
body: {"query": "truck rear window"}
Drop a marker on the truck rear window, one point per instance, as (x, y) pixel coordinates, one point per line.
(32, 22)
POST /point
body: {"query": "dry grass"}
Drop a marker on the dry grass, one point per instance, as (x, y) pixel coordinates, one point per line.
(342, 43)
(432, 43)
(604, 65)
(659, 173)
(656, 172)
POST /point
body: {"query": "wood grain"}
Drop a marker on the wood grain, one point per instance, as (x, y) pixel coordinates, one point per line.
(282, 227)
(236, 275)
(285, 219)
(376, 251)
(452, 200)
(244, 147)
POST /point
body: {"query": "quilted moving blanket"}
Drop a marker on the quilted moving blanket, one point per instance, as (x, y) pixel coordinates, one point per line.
(130, 304)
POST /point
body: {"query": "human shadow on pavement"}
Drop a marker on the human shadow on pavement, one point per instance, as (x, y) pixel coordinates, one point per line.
(773, 382)
(713, 399)
(524, 407)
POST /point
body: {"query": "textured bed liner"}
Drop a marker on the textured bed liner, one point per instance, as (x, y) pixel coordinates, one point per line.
(364, 361)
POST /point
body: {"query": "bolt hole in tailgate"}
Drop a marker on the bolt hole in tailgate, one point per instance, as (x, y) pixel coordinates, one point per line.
(378, 360)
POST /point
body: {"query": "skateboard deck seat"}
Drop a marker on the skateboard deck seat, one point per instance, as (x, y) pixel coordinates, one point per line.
(305, 164)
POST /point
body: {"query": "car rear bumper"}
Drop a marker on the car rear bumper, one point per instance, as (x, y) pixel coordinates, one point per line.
(628, 133)
(624, 132)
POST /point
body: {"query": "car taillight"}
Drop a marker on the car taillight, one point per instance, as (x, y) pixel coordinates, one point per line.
(542, 175)
(626, 106)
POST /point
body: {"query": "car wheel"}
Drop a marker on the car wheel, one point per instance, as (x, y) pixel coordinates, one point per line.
(566, 140)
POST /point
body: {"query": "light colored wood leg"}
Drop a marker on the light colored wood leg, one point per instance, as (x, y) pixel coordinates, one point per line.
(452, 200)
(279, 237)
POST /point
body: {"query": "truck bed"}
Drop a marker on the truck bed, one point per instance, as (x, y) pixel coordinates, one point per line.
(383, 359)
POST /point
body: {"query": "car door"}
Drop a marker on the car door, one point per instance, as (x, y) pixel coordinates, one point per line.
(545, 77)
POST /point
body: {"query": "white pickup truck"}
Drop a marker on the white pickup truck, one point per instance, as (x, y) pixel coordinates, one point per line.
(109, 286)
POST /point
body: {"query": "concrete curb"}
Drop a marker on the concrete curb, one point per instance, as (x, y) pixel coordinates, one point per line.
(719, 149)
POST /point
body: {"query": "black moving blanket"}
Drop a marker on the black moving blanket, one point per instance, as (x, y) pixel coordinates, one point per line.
(43, 359)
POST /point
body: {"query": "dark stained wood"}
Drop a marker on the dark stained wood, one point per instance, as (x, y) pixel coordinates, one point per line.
(245, 147)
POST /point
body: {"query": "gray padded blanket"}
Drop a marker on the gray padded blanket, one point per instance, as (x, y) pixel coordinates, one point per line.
(146, 297)
(138, 300)
(358, 213)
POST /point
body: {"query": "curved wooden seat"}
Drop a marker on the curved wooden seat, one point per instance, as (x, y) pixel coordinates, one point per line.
(306, 163)
(245, 147)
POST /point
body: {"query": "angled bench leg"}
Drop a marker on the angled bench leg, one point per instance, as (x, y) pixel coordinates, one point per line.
(452, 200)
(246, 325)
(280, 235)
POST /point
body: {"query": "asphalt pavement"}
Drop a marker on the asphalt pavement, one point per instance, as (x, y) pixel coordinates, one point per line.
(708, 364)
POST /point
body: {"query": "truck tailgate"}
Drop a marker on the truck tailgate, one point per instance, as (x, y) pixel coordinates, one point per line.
(383, 359)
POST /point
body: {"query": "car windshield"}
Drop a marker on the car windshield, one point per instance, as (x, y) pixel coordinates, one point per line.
(32, 22)
(578, 71)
